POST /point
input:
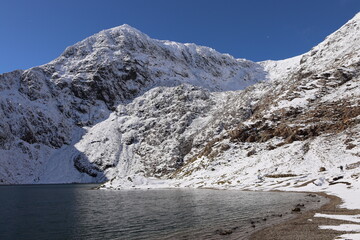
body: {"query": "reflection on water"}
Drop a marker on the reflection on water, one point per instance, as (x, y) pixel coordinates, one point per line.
(76, 212)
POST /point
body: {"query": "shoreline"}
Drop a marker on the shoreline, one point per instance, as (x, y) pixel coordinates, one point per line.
(305, 225)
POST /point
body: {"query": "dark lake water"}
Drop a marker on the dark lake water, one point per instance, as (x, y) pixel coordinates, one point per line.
(77, 212)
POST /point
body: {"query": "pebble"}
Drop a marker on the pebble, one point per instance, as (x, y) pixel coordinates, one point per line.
(296, 209)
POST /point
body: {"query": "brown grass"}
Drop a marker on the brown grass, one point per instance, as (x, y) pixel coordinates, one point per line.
(280, 175)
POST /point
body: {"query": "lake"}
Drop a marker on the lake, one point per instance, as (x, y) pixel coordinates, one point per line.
(75, 211)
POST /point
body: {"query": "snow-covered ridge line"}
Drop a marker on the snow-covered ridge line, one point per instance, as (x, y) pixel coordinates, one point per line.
(124, 44)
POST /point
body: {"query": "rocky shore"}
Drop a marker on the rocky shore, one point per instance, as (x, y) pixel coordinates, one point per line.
(305, 225)
(255, 226)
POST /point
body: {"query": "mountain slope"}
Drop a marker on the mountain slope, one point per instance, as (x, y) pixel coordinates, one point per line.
(46, 110)
(303, 134)
(299, 130)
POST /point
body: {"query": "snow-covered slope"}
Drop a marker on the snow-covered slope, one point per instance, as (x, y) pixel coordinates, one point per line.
(307, 118)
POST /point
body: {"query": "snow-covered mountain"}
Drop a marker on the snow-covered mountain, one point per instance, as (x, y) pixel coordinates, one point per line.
(48, 113)
(140, 112)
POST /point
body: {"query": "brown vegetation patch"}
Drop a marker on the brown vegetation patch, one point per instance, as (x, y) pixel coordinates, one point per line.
(305, 183)
(350, 146)
(346, 183)
(353, 165)
(285, 175)
(322, 169)
(224, 147)
(297, 124)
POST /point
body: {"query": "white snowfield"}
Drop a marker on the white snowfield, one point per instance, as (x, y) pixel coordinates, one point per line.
(134, 112)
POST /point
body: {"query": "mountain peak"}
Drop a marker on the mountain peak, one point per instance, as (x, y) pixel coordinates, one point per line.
(125, 47)
(112, 38)
(125, 27)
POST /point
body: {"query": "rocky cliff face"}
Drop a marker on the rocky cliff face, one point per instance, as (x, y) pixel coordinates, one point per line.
(122, 106)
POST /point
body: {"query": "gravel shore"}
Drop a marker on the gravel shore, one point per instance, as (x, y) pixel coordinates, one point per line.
(305, 226)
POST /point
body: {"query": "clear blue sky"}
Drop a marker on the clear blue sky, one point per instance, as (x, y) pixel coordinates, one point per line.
(34, 32)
